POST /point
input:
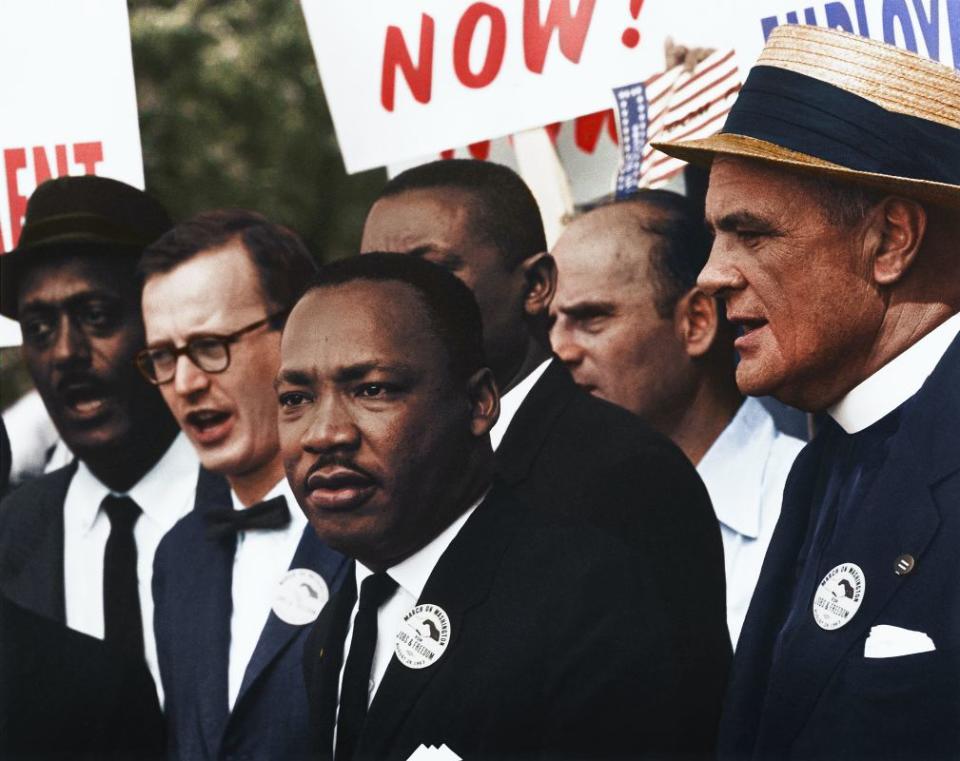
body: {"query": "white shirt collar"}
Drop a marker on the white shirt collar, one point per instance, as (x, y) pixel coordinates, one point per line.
(745, 443)
(510, 402)
(154, 494)
(412, 573)
(896, 381)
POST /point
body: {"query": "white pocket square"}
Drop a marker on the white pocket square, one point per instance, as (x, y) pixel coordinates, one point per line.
(891, 642)
(433, 753)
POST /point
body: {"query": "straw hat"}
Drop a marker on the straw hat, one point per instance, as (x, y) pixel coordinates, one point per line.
(831, 103)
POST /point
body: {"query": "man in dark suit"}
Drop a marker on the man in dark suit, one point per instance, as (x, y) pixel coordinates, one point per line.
(481, 625)
(237, 581)
(77, 545)
(836, 253)
(559, 449)
(64, 694)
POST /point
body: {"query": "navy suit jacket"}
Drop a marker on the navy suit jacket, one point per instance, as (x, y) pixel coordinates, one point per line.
(31, 544)
(192, 585)
(823, 698)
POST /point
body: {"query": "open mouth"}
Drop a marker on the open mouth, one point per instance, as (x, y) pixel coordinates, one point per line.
(85, 399)
(747, 326)
(208, 426)
(336, 487)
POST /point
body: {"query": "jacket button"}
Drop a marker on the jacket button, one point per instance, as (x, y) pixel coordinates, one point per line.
(904, 565)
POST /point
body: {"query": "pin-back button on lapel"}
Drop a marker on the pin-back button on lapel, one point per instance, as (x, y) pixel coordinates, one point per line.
(838, 597)
(904, 564)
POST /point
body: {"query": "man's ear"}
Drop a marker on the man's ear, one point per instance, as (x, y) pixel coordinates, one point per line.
(484, 401)
(696, 321)
(894, 236)
(540, 283)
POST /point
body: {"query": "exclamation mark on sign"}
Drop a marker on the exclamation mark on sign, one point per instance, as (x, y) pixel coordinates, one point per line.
(631, 36)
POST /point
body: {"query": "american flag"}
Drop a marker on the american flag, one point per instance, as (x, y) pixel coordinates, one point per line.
(684, 105)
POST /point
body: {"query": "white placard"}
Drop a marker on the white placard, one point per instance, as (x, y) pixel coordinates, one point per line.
(69, 102)
(407, 78)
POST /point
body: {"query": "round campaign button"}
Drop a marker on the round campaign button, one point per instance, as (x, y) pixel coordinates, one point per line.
(423, 637)
(839, 596)
(301, 595)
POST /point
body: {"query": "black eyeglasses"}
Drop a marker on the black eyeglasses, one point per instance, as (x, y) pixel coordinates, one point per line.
(211, 353)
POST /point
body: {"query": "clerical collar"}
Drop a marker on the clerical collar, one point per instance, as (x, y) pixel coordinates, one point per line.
(896, 381)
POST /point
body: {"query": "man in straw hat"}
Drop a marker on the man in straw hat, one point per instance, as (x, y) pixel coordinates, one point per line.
(834, 195)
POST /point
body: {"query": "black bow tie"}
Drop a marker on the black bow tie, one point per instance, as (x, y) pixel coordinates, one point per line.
(271, 514)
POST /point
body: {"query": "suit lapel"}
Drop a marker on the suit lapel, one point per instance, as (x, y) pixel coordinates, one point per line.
(533, 421)
(323, 666)
(37, 551)
(212, 603)
(460, 581)
(898, 515)
(277, 634)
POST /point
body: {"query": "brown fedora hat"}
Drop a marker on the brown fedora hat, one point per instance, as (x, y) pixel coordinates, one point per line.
(80, 215)
(835, 104)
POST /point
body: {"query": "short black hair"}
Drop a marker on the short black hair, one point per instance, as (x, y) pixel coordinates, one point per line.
(505, 211)
(450, 304)
(284, 266)
(684, 245)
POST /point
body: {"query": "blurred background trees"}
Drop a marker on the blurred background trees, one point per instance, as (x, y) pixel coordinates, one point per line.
(232, 113)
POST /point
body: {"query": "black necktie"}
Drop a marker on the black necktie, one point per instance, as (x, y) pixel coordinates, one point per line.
(354, 693)
(123, 626)
(271, 514)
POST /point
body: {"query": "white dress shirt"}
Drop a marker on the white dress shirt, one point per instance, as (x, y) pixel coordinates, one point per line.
(510, 402)
(744, 471)
(411, 576)
(165, 494)
(895, 382)
(260, 561)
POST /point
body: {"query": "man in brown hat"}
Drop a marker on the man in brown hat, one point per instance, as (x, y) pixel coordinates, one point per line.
(77, 545)
(834, 191)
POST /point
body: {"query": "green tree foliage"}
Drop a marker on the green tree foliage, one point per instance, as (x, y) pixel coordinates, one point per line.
(232, 113)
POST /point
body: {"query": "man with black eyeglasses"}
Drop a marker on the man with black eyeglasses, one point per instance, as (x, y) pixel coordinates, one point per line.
(238, 581)
(77, 545)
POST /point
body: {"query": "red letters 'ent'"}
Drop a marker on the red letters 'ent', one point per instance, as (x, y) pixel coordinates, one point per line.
(15, 159)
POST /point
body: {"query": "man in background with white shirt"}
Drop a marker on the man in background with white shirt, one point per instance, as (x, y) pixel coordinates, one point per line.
(77, 545)
(834, 190)
(472, 621)
(238, 580)
(559, 449)
(633, 328)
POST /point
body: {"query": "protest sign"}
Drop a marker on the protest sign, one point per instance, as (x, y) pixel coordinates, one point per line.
(408, 79)
(69, 103)
(930, 28)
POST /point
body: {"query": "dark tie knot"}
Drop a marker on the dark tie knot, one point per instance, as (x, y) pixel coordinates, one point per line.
(123, 512)
(376, 590)
(271, 514)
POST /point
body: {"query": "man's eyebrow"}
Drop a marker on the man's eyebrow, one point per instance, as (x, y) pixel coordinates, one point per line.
(292, 377)
(447, 258)
(361, 370)
(739, 219)
(70, 301)
(581, 309)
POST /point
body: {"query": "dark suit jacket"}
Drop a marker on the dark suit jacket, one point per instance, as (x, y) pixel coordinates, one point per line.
(31, 544)
(192, 586)
(823, 698)
(549, 655)
(66, 695)
(571, 455)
